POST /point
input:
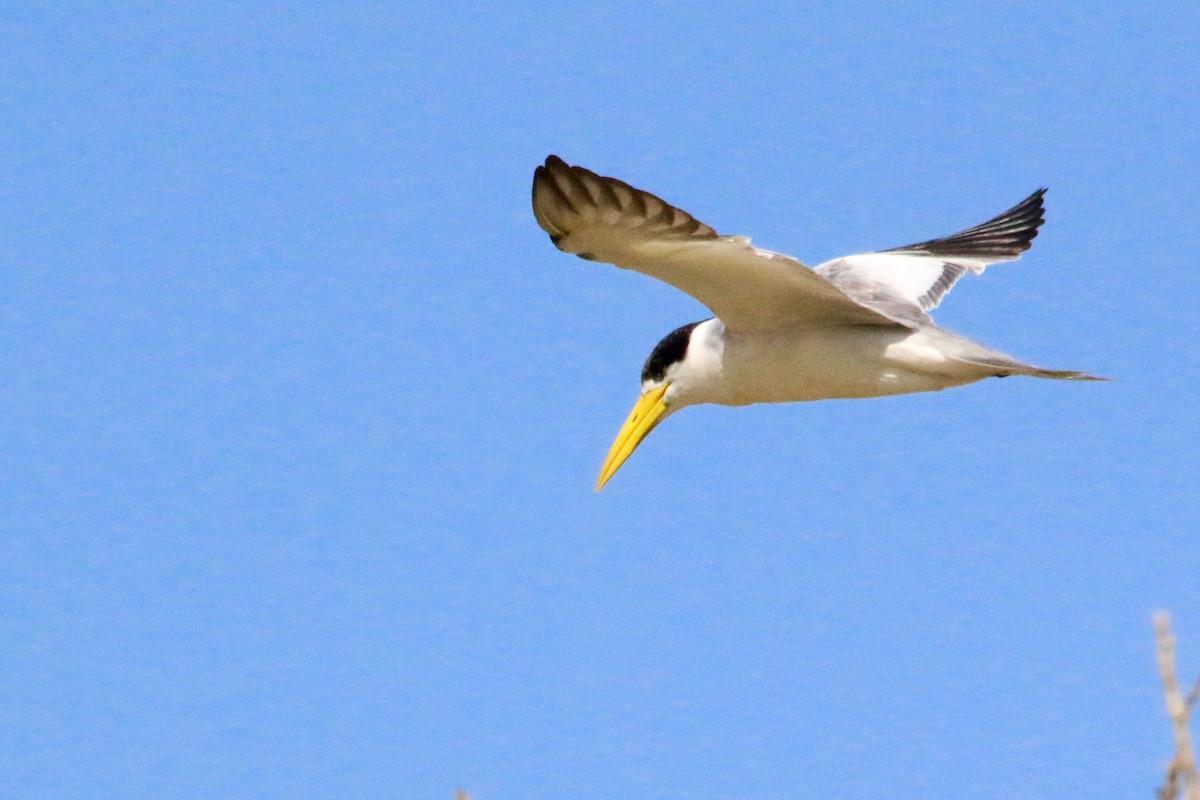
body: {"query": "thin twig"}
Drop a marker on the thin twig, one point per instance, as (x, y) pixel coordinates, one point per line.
(1181, 772)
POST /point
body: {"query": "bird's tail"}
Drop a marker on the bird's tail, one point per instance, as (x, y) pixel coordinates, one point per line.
(1061, 374)
(1005, 367)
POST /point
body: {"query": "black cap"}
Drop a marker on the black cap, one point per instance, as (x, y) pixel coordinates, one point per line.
(670, 350)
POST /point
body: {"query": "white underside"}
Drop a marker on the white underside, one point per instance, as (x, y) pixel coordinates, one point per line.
(822, 363)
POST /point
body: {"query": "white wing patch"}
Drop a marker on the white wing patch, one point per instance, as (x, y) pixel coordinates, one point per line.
(907, 282)
(920, 281)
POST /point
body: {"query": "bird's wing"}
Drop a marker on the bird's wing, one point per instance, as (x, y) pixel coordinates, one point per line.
(604, 219)
(909, 281)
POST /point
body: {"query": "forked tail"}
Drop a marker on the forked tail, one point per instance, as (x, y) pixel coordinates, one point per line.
(1060, 374)
(1005, 366)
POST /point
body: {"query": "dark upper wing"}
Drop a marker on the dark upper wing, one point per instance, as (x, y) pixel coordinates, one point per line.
(604, 219)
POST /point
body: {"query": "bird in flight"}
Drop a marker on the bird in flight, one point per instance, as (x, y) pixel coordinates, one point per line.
(856, 326)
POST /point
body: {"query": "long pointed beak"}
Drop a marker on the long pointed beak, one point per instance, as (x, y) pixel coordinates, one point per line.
(647, 413)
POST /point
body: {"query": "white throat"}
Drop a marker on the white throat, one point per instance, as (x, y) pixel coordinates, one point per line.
(698, 377)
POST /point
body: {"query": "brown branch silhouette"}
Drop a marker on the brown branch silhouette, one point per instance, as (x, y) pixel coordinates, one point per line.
(1182, 781)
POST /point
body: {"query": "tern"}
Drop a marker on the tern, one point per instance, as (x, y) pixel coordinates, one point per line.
(857, 326)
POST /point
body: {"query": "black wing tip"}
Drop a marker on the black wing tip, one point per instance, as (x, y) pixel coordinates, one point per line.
(1006, 235)
(1032, 212)
(1032, 205)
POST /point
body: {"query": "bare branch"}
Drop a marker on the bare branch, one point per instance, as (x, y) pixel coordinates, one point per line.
(1193, 695)
(1182, 775)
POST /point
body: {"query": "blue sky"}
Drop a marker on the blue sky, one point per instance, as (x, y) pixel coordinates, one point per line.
(302, 412)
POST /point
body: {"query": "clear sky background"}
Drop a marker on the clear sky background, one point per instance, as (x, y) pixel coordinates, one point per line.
(301, 412)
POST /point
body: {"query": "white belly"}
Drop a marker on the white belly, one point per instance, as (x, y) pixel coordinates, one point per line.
(835, 363)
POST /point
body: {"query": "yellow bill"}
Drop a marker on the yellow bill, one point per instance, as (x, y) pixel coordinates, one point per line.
(646, 413)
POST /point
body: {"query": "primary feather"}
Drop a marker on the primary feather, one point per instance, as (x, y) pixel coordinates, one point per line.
(604, 219)
(912, 280)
